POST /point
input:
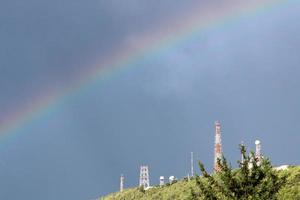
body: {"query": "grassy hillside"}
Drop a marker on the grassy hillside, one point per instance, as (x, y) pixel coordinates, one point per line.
(178, 190)
(181, 190)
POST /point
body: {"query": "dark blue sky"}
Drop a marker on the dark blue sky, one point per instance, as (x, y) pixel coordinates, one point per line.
(245, 74)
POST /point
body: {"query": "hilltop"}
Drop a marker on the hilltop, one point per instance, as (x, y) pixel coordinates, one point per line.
(182, 189)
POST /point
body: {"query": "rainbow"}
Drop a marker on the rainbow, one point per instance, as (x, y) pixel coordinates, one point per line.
(165, 36)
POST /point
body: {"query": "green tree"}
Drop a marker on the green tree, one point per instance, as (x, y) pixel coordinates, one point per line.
(253, 180)
(291, 190)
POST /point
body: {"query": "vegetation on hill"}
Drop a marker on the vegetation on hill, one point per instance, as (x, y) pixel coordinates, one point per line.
(258, 182)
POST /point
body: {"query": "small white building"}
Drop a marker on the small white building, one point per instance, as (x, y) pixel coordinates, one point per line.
(161, 180)
(172, 179)
(282, 167)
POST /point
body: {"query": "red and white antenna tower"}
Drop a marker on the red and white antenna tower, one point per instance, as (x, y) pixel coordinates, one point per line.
(218, 146)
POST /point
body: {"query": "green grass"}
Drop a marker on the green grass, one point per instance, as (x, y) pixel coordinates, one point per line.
(181, 190)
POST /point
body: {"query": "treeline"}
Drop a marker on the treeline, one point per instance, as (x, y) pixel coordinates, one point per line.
(254, 179)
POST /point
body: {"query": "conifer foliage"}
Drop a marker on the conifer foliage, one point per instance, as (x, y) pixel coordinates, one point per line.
(253, 180)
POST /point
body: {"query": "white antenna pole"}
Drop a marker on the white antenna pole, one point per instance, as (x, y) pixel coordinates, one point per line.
(121, 183)
(192, 164)
(258, 155)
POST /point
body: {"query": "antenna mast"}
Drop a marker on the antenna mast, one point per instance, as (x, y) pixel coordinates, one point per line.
(242, 156)
(258, 154)
(218, 146)
(192, 164)
(144, 177)
(121, 183)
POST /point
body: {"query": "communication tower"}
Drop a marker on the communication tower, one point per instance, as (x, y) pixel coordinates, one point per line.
(121, 183)
(192, 164)
(258, 154)
(242, 156)
(218, 146)
(144, 177)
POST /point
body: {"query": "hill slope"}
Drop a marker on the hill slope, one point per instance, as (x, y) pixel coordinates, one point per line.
(181, 190)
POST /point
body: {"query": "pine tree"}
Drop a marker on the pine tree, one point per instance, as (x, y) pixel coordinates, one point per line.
(253, 180)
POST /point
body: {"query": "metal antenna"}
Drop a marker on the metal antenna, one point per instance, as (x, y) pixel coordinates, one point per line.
(122, 183)
(218, 146)
(144, 177)
(242, 156)
(192, 164)
(258, 154)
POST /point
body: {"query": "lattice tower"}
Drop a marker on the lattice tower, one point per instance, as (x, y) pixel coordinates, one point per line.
(258, 154)
(218, 146)
(144, 176)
